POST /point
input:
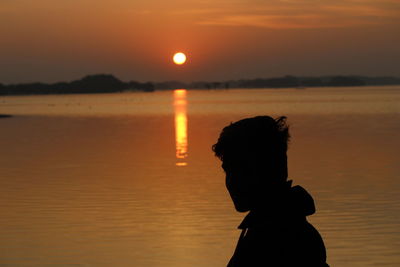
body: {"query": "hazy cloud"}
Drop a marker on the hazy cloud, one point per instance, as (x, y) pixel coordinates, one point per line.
(314, 14)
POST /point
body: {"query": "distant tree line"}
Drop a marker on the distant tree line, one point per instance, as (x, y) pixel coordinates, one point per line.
(100, 83)
(287, 81)
(106, 83)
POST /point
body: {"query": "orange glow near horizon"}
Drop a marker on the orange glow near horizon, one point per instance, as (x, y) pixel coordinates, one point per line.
(181, 139)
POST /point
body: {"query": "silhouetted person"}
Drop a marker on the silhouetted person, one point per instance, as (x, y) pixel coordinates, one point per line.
(275, 232)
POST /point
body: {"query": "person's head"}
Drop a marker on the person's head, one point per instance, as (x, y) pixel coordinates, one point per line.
(253, 155)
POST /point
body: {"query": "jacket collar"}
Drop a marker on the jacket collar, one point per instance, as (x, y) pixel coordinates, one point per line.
(293, 204)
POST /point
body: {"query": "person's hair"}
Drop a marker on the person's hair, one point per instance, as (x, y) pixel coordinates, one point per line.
(261, 140)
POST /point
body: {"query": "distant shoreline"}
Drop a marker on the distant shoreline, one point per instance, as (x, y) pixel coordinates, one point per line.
(5, 116)
(107, 83)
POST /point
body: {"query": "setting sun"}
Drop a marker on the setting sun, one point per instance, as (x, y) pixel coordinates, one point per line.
(179, 58)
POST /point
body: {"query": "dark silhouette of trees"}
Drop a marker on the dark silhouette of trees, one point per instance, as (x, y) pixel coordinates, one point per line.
(383, 80)
(345, 81)
(280, 82)
(106, 83)
(312, 82)
(100, 83)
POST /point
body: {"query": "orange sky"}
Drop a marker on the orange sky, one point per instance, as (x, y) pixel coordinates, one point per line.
(47, 40)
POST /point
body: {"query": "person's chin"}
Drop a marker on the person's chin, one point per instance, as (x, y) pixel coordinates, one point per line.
(242, 207)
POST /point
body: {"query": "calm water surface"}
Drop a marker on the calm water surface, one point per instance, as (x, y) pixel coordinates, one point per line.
(129, 179)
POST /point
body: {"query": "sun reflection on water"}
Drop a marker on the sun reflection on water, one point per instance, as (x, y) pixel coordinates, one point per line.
(181, 139)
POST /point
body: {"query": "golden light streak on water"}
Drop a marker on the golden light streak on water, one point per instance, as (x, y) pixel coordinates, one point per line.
(181, 139)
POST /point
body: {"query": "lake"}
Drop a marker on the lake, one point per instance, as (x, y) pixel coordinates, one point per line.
(130, 180)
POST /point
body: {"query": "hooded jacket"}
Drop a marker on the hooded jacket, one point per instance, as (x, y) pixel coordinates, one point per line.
(279, 235)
